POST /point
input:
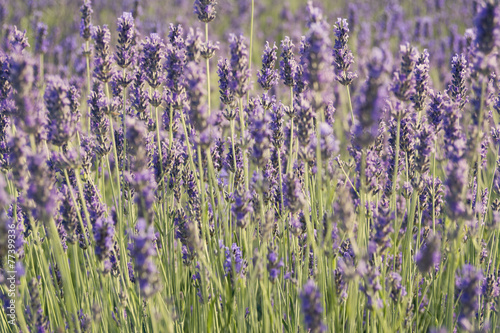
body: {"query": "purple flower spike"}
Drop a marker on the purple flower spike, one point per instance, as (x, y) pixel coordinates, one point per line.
(143, 252)
(312, 308)
(268, 76)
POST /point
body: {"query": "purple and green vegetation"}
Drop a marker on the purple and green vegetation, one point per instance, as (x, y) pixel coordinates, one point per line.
(253, 166)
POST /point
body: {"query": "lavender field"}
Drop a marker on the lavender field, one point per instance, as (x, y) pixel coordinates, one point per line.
(249, 166)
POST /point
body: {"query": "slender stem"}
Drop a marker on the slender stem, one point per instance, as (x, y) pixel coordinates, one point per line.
(170, 124)
(350, 104)
(290, 157)
(244, 151)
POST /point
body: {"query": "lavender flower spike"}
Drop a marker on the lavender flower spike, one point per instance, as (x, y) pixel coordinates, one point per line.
(312, 308)
(343, 58)
(288, 65)
(268, 77)
(143, 252)
(205, 10)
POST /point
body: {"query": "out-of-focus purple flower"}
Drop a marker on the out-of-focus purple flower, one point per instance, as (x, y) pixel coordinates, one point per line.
(288, 65)
(41, 187)
(329, 145)
(41, 43)
(305, 127)
(126, 33)
(429, 255)
(205, 10)
(455, 142)
(316, 51)
(487, 23)
(242, 207)
(187, 232)
(342, 55)
(143, 252)
(85, 24)
(455, 182)
(294, 195)
(369, 104)
(468, 290)
(104, 232)
(268, 76)
(261, 134)
(312, 307)
(194, 45)
(274, 265)
(240, 78)
(397, 291)
(62, 120)
(18, 40)
(403, 82)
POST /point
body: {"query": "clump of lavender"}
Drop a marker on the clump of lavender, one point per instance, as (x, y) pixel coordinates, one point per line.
(268, 76)
(343, 58)
(126, 34)
(143, 251)
(240, 72)
(205, 10)
(312, 308)
(61, 115)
